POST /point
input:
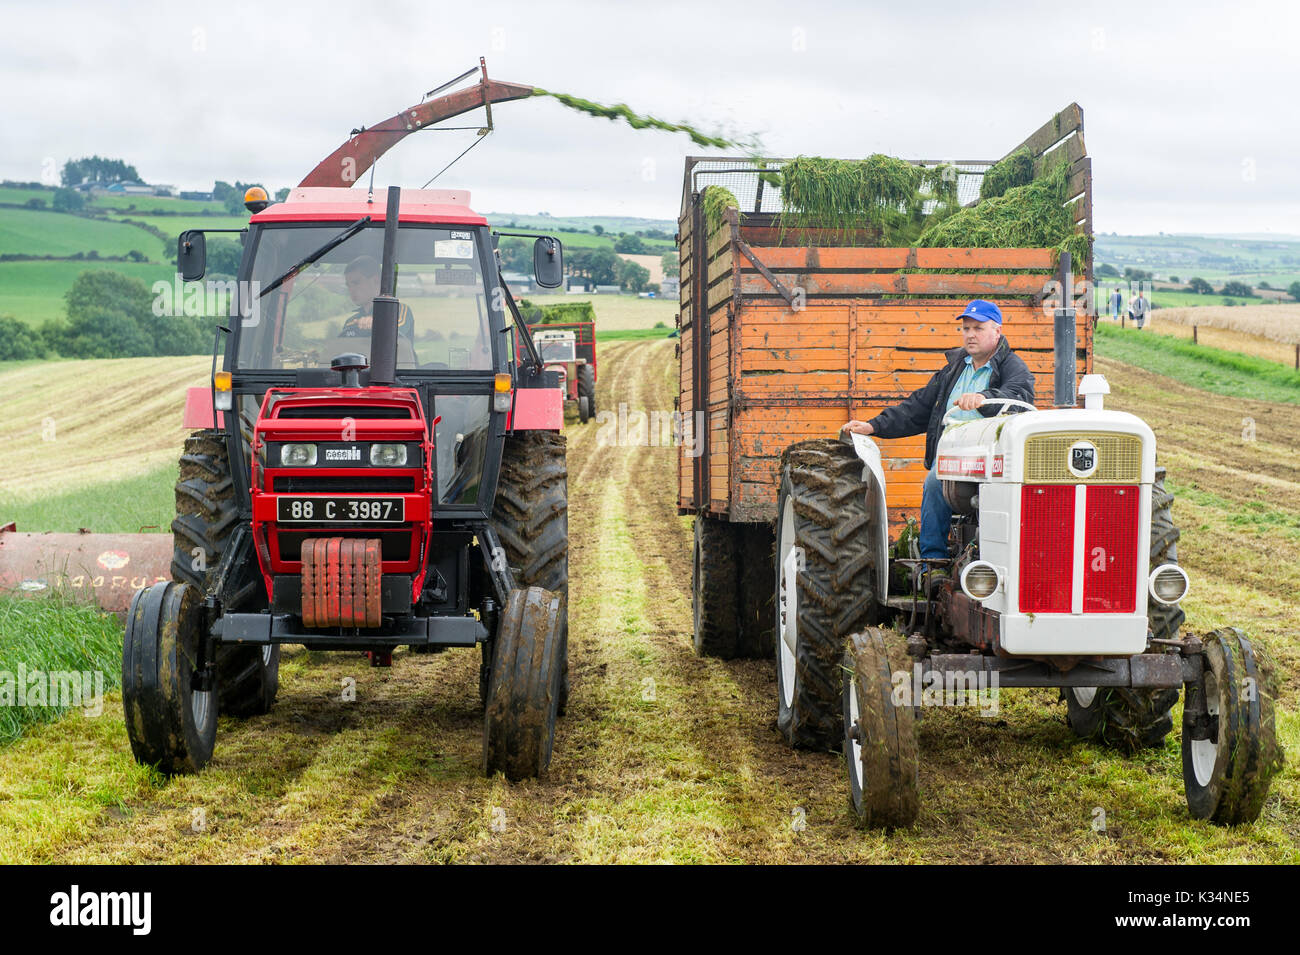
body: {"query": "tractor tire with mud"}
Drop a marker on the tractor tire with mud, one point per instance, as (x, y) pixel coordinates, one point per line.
(531, 517)
(880, 751)
(731, 590)
(587, 389)
(171, 724)
(825, 560)
(1226, 773)
(524, 689)
(1126, 718)
(207, 514)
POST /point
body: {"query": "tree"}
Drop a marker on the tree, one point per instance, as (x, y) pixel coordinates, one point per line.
(96, 169)
(35, 202)
(221, 189)
(282, 194)
(629, 245)
(1294, 290)
(224, 256)
(68, 200)
(671, 264)
(1238, 289)
(633, 277)
(1264, 285)
(1199, 286)
(598, 229)
(1136, 275)
(1174, 278)
(111, 315)
(600, 266)
(234, 199)
(18, 342)
(1105, 271)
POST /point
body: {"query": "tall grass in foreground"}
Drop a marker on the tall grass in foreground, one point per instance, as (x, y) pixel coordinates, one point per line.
(1221, 372)
(43, 634)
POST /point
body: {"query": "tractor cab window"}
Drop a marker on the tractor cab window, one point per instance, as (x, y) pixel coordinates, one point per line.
(325, 310)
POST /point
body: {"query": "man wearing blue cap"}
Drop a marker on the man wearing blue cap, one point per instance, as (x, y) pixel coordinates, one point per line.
(984, 367)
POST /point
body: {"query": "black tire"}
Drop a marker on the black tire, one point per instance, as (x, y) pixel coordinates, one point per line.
(1136, 719)
(531, 517)
(755, 610)
(714, 603)
(584, 409)
(1226, 777)
(524, 689)
(880, 752)
(170, 724)
(207, 514)
(825, 509)
(587, 387)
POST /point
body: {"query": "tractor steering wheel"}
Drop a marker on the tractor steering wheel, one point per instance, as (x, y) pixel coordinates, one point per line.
(987, 401)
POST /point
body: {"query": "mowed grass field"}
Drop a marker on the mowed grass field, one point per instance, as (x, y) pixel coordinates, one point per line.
(666, 757)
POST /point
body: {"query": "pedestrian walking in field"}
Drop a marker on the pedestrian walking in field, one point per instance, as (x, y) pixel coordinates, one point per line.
(1138, 309)
(1116, 303)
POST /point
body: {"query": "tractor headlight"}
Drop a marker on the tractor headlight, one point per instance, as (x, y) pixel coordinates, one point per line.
(297, 455)
(388, 455)
(979, 580)
(1168, 584)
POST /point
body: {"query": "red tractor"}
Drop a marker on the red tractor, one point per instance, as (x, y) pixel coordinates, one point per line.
(569, 348)
(377, 464)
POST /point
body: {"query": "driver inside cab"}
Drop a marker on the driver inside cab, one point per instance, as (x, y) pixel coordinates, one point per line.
(362, 277)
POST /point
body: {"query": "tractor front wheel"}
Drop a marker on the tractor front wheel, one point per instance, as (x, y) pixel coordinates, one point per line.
(879, 735)
(523, 697)
(1227, 771)
(587, 389)
(171, 724)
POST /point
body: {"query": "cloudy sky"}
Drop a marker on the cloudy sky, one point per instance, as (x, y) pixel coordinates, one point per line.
(1190, 108)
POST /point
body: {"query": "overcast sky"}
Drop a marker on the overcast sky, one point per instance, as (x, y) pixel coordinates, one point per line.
(1190, 108)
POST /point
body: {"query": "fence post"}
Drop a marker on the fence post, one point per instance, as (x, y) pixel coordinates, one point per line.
(1194, 340)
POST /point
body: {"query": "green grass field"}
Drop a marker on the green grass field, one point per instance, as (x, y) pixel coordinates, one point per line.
(1221, 372)
(140, 504)
(33, 292)
(29, 232)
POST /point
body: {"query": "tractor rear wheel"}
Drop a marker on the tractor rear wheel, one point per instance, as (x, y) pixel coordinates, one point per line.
(531, 517)
(1226, 774)
(207, 514)
(713, 589)
(1134, 719)
(524, 688)
(879, 736)
(825, 584)
(171, 724)
(587, 388)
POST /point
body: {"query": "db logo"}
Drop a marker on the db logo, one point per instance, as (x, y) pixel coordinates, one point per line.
(1083, 458)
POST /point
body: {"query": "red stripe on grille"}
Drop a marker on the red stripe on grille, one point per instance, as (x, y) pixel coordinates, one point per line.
(1046, 548)
(1111, 549)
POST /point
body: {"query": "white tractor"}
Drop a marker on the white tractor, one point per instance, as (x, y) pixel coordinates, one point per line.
(1062, 573)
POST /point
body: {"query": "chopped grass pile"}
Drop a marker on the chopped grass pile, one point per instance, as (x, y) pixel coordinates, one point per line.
(880, 193)
(556, 313)
(716, 200)
(1029, 216)
(637, 120)
(1016, 170)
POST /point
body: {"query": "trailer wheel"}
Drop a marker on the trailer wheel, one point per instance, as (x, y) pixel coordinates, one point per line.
(756, 615)
(825, 584)
(587, 387)
(584, 409)
(879, 736)
(531, 517)
(1227, 774)
(170, 724)
(207, 514)
(524, 688)
(1134, 719)
(713, 588)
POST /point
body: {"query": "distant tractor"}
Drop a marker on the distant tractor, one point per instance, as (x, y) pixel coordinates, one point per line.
(569, 348)
(1062, 569)
(375, 465)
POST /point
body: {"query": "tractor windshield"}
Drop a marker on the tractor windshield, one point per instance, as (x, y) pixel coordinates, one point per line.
(325, 310)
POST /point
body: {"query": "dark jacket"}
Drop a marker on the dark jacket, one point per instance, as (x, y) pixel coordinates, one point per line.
(923, 409)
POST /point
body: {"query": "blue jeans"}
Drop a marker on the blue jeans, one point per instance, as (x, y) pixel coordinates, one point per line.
(936, 518)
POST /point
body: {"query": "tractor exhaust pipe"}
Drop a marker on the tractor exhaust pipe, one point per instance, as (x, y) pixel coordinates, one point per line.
(1065, 358)
(386, 309)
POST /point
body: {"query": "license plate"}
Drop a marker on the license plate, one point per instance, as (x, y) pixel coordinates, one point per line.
(341, 510)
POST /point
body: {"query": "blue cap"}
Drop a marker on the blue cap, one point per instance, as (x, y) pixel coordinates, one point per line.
(982, 311)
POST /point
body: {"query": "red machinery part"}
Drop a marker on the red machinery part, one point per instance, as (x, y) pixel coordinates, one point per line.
(106, 568)
(341, 582)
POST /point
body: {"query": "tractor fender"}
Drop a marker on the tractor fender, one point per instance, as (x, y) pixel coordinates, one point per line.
(198, 410)
(869, 452)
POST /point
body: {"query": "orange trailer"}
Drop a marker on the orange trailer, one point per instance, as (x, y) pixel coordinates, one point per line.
(786, 334)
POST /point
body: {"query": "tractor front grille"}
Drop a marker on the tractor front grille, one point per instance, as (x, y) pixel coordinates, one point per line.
(1119, 458)
(1046, 548)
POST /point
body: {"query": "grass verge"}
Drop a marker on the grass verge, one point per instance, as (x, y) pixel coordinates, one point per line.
(128, 506)
(1221, 372)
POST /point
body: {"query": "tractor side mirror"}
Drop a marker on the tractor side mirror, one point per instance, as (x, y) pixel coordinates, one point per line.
(192, 255)
(548, 262)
